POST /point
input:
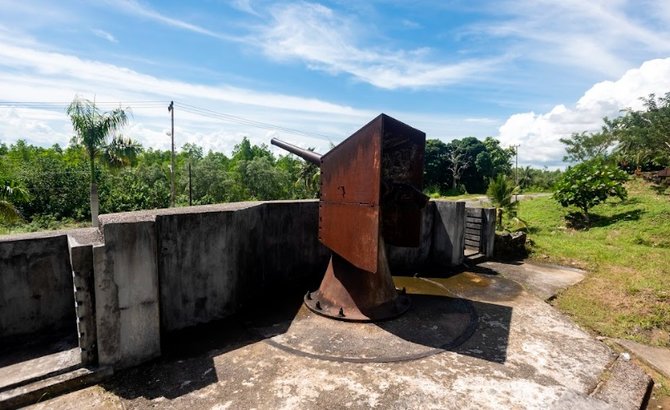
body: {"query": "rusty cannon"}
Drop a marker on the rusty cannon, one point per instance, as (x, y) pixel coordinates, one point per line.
(370, 196)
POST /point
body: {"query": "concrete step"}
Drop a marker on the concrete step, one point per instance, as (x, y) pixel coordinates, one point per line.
(624, 386)
(657, 358)
(45, 388)
(27, 369)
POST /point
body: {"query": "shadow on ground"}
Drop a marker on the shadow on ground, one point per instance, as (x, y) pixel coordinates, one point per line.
(187, 361)
(449, 313)
(20, 349)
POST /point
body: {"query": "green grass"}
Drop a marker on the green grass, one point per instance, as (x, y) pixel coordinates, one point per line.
(627, 254)
(42, 224)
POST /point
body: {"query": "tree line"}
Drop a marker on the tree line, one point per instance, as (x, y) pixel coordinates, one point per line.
(468, 165)
(636, 140)
(54, 182)
(93, 173)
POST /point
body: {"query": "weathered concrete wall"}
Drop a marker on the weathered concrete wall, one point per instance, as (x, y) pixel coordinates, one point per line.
(404, 258)
(448, 233)
(167, 269)
(489, 231)
(126, 293)
(198, 265)
(81, 259)
(36, 293)
(211, 263)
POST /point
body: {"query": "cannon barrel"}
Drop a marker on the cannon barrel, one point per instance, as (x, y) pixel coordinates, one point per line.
(307, 155)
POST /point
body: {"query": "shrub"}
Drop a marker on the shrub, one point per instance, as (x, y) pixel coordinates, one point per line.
(587, 184)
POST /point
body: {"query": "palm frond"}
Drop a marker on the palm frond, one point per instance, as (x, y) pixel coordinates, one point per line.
(8, 212)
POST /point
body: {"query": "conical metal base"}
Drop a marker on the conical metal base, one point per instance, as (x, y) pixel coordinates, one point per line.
(353, 294)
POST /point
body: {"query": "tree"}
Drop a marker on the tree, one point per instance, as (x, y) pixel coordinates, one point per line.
(10, 192)
(469, 163)
(644, 135)
(456, 166)
(500, 158)
(587, 184)
(121, 152)
(436, 176)
(93, 128)
(638, 139)
(500, 193)
(586, 146)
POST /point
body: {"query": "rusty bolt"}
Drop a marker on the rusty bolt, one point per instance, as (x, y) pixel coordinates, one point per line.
(318, 305)
(341, 313)
(308, 296)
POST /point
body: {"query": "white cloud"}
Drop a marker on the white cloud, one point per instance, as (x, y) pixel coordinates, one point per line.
(25, 77)
(539, 134)
(327, 41)
(134, 8)
(105, 35)
(245, 6)
(602, 37)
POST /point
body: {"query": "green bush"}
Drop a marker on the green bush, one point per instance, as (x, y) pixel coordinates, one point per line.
(587, 184)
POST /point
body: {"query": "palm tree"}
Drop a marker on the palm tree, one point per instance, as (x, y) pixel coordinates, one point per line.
(500, 192)
(10, 192)
(121, 152)
(93, 128)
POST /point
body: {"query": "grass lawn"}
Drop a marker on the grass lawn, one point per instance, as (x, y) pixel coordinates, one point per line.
(627, 254)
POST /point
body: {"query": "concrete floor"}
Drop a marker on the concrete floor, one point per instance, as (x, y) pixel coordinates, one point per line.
(474, 340)
(38, 367)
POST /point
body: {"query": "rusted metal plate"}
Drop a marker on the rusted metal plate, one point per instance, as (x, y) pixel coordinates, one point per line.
(402, 177)
(350, 172)
(350, 191)
(380, 165)
(351, 231)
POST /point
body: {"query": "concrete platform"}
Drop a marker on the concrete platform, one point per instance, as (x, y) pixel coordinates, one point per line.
(544, 281)
(518, 353)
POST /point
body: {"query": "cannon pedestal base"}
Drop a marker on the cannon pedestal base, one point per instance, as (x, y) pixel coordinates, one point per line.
(353, 294)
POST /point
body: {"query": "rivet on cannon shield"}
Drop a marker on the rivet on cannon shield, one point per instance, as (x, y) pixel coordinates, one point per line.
(308, 296)
(341, 313)
(318, 305)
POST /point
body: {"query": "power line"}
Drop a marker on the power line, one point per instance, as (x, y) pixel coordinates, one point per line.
(192, 109)
(205, 112)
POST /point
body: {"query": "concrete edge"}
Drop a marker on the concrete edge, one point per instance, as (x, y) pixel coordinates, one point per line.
(51, 387)
(624, 385)
(626, 345)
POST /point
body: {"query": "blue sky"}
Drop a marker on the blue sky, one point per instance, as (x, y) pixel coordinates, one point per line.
(525, 71)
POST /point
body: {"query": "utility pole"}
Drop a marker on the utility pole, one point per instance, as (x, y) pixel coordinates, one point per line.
(516, 169)
(172, 195)
(190, 190)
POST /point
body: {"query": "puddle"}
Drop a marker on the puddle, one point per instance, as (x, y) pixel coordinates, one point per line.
(466, 285)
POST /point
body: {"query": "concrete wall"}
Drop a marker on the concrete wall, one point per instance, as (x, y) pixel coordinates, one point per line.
(488, 231)
(212, 263)
(448, 233)
(147, 272)
(404, 258)
(36, 293)
(81, 258)
(126, 294)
